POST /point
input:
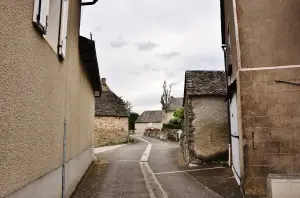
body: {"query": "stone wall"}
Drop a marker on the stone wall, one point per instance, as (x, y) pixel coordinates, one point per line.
(188, 129)
(206, 128)
(169, 134)
(270, 115)
(110, 130)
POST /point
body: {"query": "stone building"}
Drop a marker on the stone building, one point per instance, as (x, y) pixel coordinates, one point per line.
(111, 118)
(175, 103)
(147, 119)
(205, 135)
(47, 86)
(262, 43)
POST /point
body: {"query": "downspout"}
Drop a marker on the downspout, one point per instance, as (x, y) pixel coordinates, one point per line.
(89, 3)
(63, 184)
(228, 109)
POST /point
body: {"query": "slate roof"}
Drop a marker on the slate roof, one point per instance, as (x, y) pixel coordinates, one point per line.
(88, 58)
(175, 103)
(109, 104)
(151, 117)
(205, 83)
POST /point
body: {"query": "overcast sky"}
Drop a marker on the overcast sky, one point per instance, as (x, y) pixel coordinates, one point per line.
(141, 43)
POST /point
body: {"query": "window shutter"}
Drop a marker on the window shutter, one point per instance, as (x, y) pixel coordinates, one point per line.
(63, 29)
(40, 14)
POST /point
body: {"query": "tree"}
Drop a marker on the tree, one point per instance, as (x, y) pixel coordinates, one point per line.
(166, 96)
(128, 105)
(131, 120)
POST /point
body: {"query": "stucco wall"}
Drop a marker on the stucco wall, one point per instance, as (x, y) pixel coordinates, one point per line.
(269, 32)
(32, 102)
(110, 130)
(206, 128)
(140, 127)
(168, 116)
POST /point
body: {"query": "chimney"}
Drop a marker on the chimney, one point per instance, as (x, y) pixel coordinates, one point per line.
(103, 81)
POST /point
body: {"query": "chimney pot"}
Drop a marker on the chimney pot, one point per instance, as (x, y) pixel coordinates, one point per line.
(103, 81)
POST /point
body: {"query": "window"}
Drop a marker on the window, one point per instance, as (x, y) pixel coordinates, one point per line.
(51, 19)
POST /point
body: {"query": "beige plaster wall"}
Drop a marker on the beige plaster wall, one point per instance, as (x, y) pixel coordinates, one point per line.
(140, 127)
(168, 116)
(80, 95)
(50, 185)
(210, 136)
(269, 32)
(32, 102)
(110, 130)
(270, 126)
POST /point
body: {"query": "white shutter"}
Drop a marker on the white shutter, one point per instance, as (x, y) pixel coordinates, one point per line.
(63, 29)
(41, 13)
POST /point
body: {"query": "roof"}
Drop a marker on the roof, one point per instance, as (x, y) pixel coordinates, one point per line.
(88, 58)
(205, 83)
(151, 117)
(109, 104)
(175, 103)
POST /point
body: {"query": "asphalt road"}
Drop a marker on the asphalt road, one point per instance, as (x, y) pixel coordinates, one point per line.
(122, 176)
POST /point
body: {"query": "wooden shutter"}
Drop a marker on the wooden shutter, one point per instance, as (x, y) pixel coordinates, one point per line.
(63, 29)
(40, 14)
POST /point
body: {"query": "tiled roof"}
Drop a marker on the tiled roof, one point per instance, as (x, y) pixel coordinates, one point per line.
(205, 83)
(151, 117)
(109, 104)
(175, 103)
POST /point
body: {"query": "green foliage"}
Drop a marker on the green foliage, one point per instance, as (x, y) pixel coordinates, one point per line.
(166, 96)
(128, 105)
(179, 114)
(131, 120)
(174, 122)
(170, 126)
(177, 121)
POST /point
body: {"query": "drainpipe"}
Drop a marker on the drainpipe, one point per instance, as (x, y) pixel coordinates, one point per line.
(89, 3)
(228, 109)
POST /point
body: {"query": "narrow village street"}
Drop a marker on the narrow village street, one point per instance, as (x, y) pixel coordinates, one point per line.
(117, 173)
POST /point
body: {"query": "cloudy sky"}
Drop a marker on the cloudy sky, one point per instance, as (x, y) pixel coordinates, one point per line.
(141, 43)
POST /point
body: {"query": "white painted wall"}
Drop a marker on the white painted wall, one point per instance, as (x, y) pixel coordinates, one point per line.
(168, 116)
(140, 127)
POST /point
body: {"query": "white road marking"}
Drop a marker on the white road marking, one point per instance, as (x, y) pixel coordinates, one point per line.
(147, 151)
(171, 172)
(115, 161)
(152, 183)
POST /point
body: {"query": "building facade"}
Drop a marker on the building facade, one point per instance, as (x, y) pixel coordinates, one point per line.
(111, 118)
(150, 119)
(175, 103)
(205, 134)
(261, 44)
(47, 99)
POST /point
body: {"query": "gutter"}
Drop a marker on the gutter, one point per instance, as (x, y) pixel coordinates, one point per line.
(89, 3)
